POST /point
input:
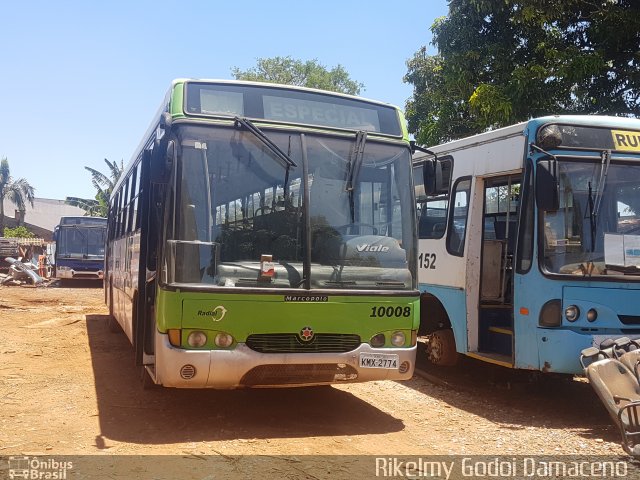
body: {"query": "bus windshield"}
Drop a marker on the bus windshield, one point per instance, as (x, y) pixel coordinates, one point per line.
(241, 220)
(80, 241)
(596, 230)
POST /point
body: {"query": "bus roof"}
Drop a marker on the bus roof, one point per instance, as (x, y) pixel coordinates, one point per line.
(179, 81)
(82, 221)
(519, 129)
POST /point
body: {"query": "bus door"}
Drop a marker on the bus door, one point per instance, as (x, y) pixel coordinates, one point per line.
(495, 303)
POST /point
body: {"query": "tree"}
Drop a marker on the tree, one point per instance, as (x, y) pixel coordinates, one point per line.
(99, 206)
(19, 192)
(503, 61)
(311, 74)
(19, 232)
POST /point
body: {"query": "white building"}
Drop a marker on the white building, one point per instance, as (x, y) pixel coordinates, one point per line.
(45, 213)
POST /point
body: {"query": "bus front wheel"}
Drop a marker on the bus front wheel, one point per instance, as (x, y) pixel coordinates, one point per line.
(441, 348)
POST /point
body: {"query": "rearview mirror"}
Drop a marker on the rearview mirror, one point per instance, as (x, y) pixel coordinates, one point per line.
(547, 189)
(436, 176)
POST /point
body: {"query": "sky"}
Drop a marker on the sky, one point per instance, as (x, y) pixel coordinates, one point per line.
(80, 81)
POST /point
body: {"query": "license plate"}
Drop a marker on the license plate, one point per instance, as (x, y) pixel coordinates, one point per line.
(379, 360)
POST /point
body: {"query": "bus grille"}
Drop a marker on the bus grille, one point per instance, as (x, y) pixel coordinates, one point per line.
(267, 375)
(291, 343)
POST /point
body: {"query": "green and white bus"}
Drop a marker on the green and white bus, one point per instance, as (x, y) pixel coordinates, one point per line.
(265, 235)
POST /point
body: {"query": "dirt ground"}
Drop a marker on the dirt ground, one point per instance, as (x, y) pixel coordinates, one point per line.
(69, 386)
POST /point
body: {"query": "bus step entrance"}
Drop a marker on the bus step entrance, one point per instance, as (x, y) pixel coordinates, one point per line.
(494, 358)
(496, 330)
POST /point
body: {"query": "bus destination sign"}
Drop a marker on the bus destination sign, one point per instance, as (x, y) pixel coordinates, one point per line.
(624, 140)
(285, 109)
(291, 106)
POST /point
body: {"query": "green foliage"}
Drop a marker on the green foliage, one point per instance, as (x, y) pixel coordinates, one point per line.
(19, 191)
(90, 206)
(504, 61)
(18, 232)
(99, 206)
(312, 74)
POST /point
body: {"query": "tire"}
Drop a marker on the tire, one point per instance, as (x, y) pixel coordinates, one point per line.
(441, 349)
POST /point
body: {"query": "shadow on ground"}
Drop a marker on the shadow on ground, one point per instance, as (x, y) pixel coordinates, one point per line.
(127, 413)
(58, 283)
(518, 399)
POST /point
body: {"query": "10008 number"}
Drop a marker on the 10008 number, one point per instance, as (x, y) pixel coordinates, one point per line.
(390, 312)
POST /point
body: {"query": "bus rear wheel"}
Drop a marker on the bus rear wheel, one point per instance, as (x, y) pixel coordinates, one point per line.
(441, 348)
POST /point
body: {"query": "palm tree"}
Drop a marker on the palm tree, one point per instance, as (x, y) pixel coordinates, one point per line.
(99, 206)
(19, 192)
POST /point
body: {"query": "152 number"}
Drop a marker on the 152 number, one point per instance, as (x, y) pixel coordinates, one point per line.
(427, 260)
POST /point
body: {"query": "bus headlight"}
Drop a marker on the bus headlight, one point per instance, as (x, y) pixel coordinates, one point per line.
(197, 339)
(592, 315)
(377, 340)
(572, 313)
(398, 339)
(223, 340)
(551, 314)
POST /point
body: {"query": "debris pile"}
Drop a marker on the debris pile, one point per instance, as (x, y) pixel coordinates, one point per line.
(20, 273)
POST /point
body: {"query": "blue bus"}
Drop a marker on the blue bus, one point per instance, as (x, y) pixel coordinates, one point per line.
(79, 252)
(529, 242)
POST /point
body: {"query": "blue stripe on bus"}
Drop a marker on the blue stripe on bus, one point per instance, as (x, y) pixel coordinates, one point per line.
(454, 301)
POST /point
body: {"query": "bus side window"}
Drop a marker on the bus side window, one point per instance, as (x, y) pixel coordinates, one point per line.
(458, 216)
(433, 218)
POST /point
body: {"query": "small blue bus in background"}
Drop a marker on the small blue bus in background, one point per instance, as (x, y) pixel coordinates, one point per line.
(529, 242)
(79, 252)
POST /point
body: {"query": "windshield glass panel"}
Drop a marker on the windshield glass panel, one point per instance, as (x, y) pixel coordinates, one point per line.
(239, 215)
(81, 241)
(595, 231)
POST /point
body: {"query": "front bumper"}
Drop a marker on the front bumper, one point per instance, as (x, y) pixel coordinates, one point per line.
(79, 274)
(243, 367)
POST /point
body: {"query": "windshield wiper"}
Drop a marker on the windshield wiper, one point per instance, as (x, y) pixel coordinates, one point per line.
(355, 162)
(250, 126)
(285, 159)
(595, 199)
(84, 235)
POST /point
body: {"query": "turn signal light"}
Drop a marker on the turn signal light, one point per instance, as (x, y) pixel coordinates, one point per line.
(377, 341)
(174, 337)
